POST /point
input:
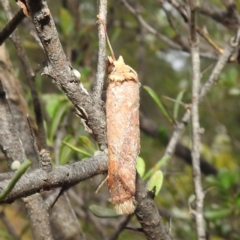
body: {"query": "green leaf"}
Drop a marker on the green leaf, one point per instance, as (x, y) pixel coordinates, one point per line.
(52, 102)
(65, 151)
(103, 212)
(62, 107)
(141, 166)
(5, 235)
(217, 213)
(79, 150)
(227, 178)
(66, 22)
(156, 182)
(18, 174)
(158, 102)
(163, 134)
(177, 104)
(85, 142)
(191, 199)
(157, 166)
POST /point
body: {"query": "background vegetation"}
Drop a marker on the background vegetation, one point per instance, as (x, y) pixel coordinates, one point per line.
(168, 72)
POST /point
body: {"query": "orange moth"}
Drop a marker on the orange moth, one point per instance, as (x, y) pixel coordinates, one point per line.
(123, 135)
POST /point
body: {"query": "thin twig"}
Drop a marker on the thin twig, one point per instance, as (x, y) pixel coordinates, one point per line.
(182, 11)
(222, 61)
(86, 214)
(11, 26)
(198, 213)
(121, 226)
(228, 18)
(178, 44)
(8, 225)
(149, 28)
(101, 67)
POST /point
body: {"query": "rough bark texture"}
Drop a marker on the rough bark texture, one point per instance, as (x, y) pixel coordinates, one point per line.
(63, 176)
(147, 213)
(123, 135)
(10, 142)
(60, 70)
(37, 216)
(17, 104)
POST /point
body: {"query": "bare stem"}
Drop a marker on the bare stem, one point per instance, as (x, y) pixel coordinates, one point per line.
(11, 26)
(101, 68)
(198, 213)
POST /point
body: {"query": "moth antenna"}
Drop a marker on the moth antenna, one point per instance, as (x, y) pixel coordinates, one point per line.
(108, 41)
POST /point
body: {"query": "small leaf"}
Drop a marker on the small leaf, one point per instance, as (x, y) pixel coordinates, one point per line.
(163, 134)
(190, 200)
(17, 175)
(62, 108)
(52, 102)
(66, 22)
(158, 102)
(86, 143)
(177, 104)
(156, 182)
(65, 151)
(217, 213)
(103, 212)
(157, 166)
(79, 150)
(227, 179)
(141, 166)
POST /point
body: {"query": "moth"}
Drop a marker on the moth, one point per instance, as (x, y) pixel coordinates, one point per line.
(123, 134)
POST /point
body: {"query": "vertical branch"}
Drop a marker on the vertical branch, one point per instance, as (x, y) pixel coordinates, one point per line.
(101, 68)
(60, 70)
(147, 213)
(198, 213)
(10, 143)
(38, 215)
(30, 77)
(13, 149)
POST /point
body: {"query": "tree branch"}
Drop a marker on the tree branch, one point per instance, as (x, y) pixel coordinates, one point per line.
(179, 43)
(11, 26)
(30, 77)
(228, 18)
(198, 213)
(62, 176)
(102, 61)
(13, 149)
(151, 129)
(9, 137)
(147, 213)
(60, 70)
